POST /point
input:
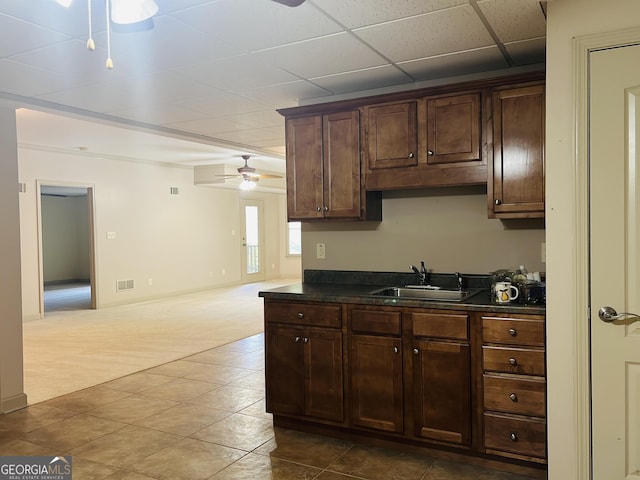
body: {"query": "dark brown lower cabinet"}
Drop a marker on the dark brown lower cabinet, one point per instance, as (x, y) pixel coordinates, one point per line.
(304, 372)
(376, 382)
(442, 391)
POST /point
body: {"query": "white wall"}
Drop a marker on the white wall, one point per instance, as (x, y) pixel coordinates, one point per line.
(182, 243)
(11, 378)
(447, 228)
(567, 19)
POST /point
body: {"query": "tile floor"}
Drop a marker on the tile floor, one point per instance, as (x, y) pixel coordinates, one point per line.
(180, 396)
(201, 417)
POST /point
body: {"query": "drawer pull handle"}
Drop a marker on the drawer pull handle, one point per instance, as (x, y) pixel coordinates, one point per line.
(513, 437)
(513, 397)
(513, 362)
(513, 332)
(395, 350)
(416, 351)
(300, 315)
(430, 153)
(411, 155)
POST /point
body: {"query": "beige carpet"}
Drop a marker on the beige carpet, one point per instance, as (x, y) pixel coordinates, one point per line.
(71, 350)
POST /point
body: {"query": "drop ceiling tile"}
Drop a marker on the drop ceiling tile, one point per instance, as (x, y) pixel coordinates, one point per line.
(514, 19)
(337, 53)
(52, 16)
(265, 118)
(209, 125)
(461, 63)
(159, 114)
(286, 94)
(30, 36)
(365, 79)
(527, 52)
(26, 80)
(445, 31)
(223, 104)
(258, 24)
(249, 136)
(237, 74)
(358, 13)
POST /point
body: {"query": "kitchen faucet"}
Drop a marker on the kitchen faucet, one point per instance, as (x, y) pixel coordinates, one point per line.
(423, 274)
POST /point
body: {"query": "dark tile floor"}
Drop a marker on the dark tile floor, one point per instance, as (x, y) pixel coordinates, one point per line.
(201, 417)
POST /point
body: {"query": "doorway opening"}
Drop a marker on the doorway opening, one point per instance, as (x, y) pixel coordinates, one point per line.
(66, 245)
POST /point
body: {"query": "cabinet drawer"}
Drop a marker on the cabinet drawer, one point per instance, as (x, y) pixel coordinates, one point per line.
(525, 396)
(513, 360)
(371, 321)
(440, 325)
(321, 315)
(524, 436)
(517, 331)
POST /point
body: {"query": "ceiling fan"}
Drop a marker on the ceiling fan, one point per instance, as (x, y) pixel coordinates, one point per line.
(249, 175)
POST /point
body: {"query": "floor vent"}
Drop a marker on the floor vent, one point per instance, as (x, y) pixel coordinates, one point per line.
(174, 191)
(122, 285)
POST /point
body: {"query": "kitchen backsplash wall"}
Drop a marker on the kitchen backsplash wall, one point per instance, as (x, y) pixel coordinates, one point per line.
(447, 228)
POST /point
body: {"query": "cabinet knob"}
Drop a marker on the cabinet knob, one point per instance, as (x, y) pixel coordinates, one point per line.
(498, 201)
(430, 153)
(326, 209)
(513, 437)
(395, 350)
(513, 332)
(513, 397)
(513, 362)
(416, 351)
(297, 339)
(318, 209)
(411, 155)
(300, 315)
(305, 339)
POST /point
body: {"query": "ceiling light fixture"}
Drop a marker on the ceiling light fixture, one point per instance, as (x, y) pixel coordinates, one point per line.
(125, 15)
(248, 184)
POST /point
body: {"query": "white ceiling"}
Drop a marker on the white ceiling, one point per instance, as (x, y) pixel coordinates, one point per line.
(210, 75)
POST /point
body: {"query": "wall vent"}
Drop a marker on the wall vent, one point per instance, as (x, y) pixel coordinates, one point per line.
(174, 191)
(22, 187)
(122, 285)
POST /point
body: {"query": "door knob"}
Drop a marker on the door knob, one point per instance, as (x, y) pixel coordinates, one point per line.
(609, 314)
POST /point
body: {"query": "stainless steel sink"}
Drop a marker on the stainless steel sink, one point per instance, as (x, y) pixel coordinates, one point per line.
(426, 293)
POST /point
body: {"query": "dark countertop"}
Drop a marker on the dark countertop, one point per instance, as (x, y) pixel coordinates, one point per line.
(357, 287)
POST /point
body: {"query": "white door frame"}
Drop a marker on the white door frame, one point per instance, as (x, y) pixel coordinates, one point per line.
(92, 239)
(582, 48)
(261, 275)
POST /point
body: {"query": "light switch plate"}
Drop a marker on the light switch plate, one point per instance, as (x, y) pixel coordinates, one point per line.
(320, 250)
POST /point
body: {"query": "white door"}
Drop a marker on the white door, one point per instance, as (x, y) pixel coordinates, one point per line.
(614, 115)
(253, 268)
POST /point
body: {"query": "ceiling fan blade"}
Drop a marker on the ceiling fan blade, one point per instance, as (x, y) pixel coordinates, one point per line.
(290, 3)
(264, 175)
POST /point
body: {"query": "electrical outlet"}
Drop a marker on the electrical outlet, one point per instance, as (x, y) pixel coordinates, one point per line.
(543, 252)
(320, 250)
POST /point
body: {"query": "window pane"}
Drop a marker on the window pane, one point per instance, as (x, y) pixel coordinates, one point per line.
(295, 238)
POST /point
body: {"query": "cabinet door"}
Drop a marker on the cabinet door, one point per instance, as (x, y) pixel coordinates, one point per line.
(453, 129)
(323, 377)
(341, 151)
(304, 167)
(442, 389)
(375, 365)
(284, 370)
(516, 181)
(392, 136)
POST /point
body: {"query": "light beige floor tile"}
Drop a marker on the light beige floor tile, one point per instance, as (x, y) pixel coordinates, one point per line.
(84, 469)
(132, 408)
(183, 419)
(17, 447)
(220, 374)
(188, 459)
(73, 432)
(443, 470)
(249, 361)
(260, 467)
(84, 400)
(231, 399)
(258, 409)
(178, 368)
(126, 446)
(128, 475)
(238, 431)
(304, 448)
(254, 381)
(32, 418)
